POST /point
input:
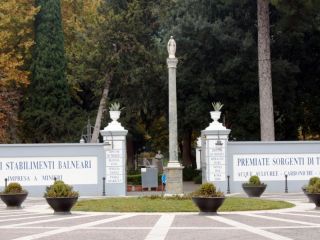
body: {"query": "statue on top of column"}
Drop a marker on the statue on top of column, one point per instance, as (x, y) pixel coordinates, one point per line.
(171, 47)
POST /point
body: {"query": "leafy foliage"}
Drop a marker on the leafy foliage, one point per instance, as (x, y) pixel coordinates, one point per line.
(47, 104)
(115, 107)
(198, 179)
(13, 188)
(126, 42)
(207, 190)
(134, 179)
(314, 187)
(16, 34)
(254, 181)
(313, 180)
(217, 106)
(60, 189)
(189, 173)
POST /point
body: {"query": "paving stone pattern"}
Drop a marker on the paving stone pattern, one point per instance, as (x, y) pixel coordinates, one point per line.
(36, 221)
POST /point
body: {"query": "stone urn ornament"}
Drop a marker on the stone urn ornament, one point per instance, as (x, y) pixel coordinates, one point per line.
(215, 115)
(115, 111)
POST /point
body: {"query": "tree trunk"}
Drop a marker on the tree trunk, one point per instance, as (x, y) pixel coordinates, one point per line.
(186, 149)
(102, 108)
(265, 80)
(130, 153)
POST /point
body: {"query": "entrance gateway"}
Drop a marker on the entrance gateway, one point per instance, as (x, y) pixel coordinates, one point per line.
(97, 169)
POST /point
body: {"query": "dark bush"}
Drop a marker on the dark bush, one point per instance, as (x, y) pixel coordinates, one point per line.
(197, 179)
(134, 179)
(189, 173)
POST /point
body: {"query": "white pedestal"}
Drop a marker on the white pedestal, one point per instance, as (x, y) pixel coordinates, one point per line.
(114, 137)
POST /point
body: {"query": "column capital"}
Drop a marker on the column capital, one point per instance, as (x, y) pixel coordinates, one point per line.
(172, 62)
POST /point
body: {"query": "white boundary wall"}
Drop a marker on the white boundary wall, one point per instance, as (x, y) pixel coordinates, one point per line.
(35, 166)
(271, 161)
(299, 160)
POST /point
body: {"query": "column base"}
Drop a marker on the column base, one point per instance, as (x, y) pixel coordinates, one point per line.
(174, 180)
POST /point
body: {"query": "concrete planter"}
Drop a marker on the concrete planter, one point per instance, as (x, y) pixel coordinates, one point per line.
(114, 115)
(61, 205)
(304, 190)
(129, 188)
(208, 204)
(137, 188)
(13, 200)
(315, 198)
(215, 115)
(254, 191)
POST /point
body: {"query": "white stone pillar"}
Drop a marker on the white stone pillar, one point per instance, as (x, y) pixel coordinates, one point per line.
(198, 153)
(214, 153)
(114, 138)
(174, 169)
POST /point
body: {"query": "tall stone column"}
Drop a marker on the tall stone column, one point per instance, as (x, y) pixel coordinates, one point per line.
(114, 138)
(174, 169)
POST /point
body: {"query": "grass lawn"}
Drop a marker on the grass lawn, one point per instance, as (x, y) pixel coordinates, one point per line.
(173, 204)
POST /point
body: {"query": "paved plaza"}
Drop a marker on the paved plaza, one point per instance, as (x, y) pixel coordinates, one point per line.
(36, 221)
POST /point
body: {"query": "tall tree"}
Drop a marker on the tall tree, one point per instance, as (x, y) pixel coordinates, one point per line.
(81, 21)
(127, 43)
(47, 104)
(265, 79)
(296, 37)
(16, 34)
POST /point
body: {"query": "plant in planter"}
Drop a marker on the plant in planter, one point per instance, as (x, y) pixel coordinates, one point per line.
(115, 111)
(217, 106)
(313, 190)
(254, 188)
(207, 198)
(311, 182)
(61, 197)
(13, 195)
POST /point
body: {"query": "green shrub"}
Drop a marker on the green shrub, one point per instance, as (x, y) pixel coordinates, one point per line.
(133, 172)
(315, 187)
(207, 190)
(190, 173)
(60, 189)
(173, 197)
(313, 180)
(134, 179)
(14, 187)
(197, 179)
(254, 180)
